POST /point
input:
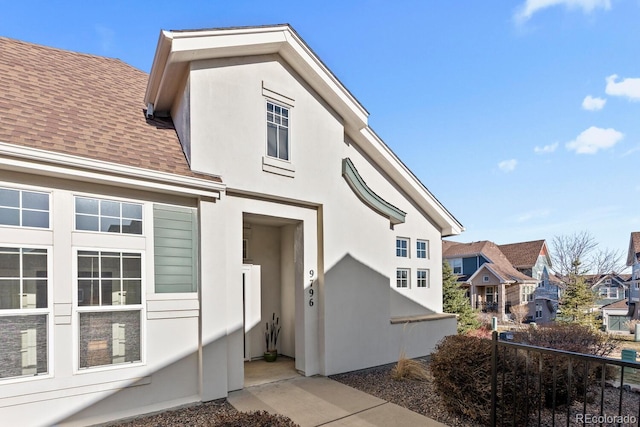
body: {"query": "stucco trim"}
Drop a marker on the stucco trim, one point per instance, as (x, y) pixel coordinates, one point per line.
(368, 196)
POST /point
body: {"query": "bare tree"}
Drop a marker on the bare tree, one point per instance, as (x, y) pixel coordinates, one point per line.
(578, 254)
(519, 313)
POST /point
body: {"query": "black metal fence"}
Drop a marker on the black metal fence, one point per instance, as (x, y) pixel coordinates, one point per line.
(539, 386)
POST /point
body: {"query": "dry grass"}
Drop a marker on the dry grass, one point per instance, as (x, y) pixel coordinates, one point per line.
(409, 369)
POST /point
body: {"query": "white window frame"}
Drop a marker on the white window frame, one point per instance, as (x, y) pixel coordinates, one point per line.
(77, 310)
(422, 251)
(400, 250)
(423, 282)
(48, 311)
(278, 126)
(485, 279)
(403, 282)
(21, 209)
(538, 311)
(452, 263)
(100, 199)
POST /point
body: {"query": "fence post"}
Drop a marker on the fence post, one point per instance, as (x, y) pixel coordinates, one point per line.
(494, 376)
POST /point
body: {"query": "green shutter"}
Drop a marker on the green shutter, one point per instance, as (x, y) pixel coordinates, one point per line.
(176, 249)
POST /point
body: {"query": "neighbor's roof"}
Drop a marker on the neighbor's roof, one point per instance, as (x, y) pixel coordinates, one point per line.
(634, 247)
(524, 254)
(83, 105)
(498, 262)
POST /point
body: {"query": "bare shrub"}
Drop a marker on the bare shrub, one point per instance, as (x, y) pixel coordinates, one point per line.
(461, 368)
(631, 324)
(519, 313)
(253, 419)
(409, 369)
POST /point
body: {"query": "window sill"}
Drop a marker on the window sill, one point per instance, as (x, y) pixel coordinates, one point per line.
(278, 167)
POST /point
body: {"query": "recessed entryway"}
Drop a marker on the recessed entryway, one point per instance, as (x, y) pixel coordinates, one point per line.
(259, 372)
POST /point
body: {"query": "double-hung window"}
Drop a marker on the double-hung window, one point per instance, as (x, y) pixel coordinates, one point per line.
(402, 247)
(402, 278)
(456, 265)
(422, 278)
(21, 208)
(277, 131)
(422, 249)
(24, 311)
(109, 306)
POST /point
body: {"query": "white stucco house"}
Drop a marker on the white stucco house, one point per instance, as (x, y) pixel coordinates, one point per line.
(151, 224)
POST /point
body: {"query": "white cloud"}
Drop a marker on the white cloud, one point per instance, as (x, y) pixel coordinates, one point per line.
(530, 7)
(629, 87)
(508, 165)
(593, 104)
(546, 149)
(594, 139)
(528, 216)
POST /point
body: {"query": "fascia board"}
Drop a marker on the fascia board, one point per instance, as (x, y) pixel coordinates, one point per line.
(391, 164)
(176, 49)
(41, 162)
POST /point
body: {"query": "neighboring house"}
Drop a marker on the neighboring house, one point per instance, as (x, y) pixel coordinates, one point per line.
(532, 259)
(608, 288)
(614, 316)
(494, 285)
(150, 225)
(633, 261)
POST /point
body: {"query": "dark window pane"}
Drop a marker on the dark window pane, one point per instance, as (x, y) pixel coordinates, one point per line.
(9, 198)
(110, 266)
(88, 292)
(285, 112)
(35, 219)
(132, 266)
(132, 291)
(109, 338)
(34, 265)
(84, 222)
(131, 226)
(283, 143)
(34, 294)
(110, 225)
(87, 206)
(109, 208)
(9, 295)
(132, 211)
(270, 117)
(108, 287)
(10, 264)
(88, 265)
(269, 106)
(272, 141)
(24, 345)
(9, 216)
(38, 201)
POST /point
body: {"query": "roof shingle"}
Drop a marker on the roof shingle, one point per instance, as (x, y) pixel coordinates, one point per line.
(83, 105)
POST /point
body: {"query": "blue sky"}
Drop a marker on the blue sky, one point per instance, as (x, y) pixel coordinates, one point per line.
(522, 117)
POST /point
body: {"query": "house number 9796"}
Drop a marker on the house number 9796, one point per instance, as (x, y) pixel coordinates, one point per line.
(311, 291)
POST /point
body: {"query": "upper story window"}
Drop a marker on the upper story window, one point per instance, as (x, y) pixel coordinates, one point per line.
(456, 265)
(422, 278)
(23, 208)
(402, 277)
(277, 131)
(422, 249)
(108, 216)
(402, 247)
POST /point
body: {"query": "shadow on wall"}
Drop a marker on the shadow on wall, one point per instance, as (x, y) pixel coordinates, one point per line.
(358, 304)
(171, 384)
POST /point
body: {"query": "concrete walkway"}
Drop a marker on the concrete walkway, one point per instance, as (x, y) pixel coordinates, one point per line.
(320, 401)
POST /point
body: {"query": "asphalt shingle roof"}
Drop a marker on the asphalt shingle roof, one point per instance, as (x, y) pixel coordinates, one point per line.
(83, 105)
(524, 254)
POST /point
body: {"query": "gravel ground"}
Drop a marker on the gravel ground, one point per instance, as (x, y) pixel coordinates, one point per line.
(421, 397)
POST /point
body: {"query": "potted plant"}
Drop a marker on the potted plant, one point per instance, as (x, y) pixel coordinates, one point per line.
(271, 339)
